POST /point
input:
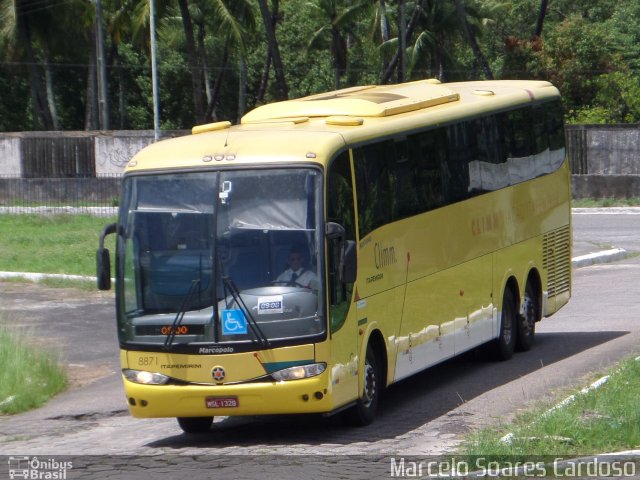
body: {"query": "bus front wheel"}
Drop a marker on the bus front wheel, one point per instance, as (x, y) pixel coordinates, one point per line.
(505, 343)
(367, 404)
(195, 424)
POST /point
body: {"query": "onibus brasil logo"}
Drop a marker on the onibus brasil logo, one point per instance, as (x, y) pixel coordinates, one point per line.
(38, 469)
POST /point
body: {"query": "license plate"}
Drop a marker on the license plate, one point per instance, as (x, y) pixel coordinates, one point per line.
(222, 402)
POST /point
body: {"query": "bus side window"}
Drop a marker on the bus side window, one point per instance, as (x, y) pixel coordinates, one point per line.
(340, 209)
(404, 183)
(519, 133)
(427, 151)
(540, 134)
(374, 187)
(456, 168)
(555, 127)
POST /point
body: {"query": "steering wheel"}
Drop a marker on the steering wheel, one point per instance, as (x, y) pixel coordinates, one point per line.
(288, 284)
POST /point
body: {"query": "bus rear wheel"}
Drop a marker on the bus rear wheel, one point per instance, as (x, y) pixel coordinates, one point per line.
(527, 321)
(195, 424)
(505, 344)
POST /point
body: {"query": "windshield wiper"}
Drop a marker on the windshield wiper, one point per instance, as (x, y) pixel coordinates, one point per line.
(231, 287)
(180, 313)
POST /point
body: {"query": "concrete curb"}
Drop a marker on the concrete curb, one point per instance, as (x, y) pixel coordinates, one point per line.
(38, 277)
(604, 256)
(606, 211)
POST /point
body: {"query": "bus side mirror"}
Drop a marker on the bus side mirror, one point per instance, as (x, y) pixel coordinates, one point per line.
(103, 268)
(103, 260)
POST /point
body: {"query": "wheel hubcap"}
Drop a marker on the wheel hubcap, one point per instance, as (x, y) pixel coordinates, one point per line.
(506, 328)
(529, 315)
(369, 385)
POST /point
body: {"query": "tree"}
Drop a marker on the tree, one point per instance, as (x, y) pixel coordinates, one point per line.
(234, 19)
(197, 83)
(273, 52)
(338, 19)
(404, 34)
(541, 16)
(438, 29)
(23, 24)
(471, 38)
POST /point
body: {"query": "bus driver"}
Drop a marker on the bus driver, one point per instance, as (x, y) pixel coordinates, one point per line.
(296, 275)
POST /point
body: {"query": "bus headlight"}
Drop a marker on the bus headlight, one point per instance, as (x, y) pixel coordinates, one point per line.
(299, 372)
(145, 378)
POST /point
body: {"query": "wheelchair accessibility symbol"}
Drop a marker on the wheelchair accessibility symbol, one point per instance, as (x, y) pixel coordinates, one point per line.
(233, 322)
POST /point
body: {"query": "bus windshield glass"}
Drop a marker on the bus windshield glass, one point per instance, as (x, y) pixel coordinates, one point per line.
(221, 257)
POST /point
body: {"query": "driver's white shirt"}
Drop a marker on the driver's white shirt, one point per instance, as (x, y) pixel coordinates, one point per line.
(306, 278)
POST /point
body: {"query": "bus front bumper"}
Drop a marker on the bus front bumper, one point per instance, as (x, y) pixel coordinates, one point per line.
(310, 395)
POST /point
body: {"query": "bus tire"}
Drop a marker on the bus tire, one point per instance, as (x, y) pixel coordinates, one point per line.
(527, 321)
(365, 410)
(195, 424)
(504, 345)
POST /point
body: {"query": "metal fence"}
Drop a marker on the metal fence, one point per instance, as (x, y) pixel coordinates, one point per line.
(577, 148)
(73, 194)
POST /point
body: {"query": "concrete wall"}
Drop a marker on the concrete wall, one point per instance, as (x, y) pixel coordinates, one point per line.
(113, 150)
(110, 153)
(10, 159)
(60, 191)
(613, 150)
(605, 159)
(605, 186)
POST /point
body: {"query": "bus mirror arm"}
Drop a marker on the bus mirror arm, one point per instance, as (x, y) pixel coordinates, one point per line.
(349, 262)
(334, 231)
(103, 260)
(346, 249)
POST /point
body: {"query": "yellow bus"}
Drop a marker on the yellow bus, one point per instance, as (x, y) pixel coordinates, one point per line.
(326, 247)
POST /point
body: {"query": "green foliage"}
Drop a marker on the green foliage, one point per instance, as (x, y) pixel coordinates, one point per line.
(617, 101)
(589, 49)
(14, 112)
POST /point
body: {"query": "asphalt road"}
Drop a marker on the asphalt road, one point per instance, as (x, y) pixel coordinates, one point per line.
(595, 229)
(425, 415)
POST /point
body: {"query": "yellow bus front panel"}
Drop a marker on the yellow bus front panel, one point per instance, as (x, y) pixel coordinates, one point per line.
(309, 395)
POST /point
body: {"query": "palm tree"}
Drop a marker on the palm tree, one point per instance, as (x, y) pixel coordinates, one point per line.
(273, 51)
(405, 32)
(23, 26)
(381, 27)
(197, 79)
(339, 18)
(437, 27)
(462, 14)
(233, 20)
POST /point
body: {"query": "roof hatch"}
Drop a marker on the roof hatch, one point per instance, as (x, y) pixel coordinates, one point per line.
(368, 101)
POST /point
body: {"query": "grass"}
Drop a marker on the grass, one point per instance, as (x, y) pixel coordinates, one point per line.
(606, 419)
(64, 244)
(29, 376)
(58, 244)
(88, 285)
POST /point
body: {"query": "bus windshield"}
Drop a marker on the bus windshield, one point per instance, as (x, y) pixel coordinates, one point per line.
(221, 257)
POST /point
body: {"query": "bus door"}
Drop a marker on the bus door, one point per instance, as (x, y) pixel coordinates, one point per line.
(342, 313)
